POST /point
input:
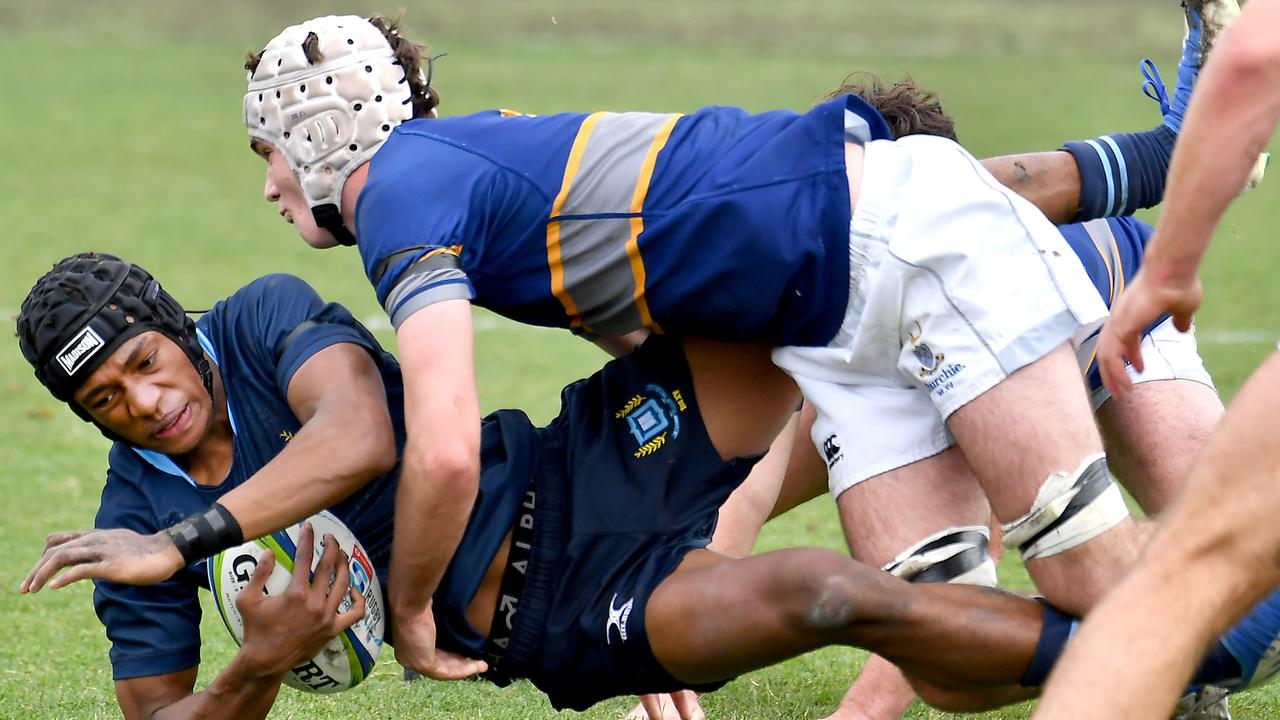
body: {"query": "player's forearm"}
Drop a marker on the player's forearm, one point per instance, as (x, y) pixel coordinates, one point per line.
(433, 503)
(240, 691)
(1050, 180)
(1230, 119)
(323, 464)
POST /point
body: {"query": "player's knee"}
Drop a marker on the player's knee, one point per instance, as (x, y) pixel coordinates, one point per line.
(1070, 509)
(833, 592)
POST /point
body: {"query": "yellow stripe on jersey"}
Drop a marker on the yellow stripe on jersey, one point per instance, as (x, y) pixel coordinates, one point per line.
(553, 227)
(637, 222)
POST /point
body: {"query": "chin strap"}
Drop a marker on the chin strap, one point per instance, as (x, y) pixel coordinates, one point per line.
(328, 217)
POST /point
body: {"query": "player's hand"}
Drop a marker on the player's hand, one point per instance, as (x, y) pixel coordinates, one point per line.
(122, 556)
(679, 705)
(281, 631)
(1146, 298)
(415, 642)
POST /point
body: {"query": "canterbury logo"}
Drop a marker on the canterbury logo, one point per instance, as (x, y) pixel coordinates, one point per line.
(73, 355)
(618, 617)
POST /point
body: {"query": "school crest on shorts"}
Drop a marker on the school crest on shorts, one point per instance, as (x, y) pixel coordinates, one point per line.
(929, 360)
(653, 417)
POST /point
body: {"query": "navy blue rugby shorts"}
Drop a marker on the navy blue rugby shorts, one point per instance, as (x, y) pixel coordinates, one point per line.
(628, 483)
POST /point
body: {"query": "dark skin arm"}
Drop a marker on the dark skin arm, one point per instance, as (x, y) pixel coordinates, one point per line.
(1050, 180)
(324, 463)
(280, 632)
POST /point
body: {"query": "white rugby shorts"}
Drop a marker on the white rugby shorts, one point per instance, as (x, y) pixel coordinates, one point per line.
(955, 282)
(1167, 354)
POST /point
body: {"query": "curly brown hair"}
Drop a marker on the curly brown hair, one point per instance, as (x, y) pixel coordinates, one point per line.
(409, 55)
(908, 108)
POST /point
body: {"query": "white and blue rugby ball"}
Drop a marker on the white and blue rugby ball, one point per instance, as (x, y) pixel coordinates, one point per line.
(347, 659)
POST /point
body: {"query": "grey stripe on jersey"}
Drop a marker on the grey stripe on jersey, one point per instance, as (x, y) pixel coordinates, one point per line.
(429, 271)
(1100, 232)
(597, 272)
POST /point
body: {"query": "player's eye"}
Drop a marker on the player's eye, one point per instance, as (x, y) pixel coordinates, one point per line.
(148, 362)
(102, 401)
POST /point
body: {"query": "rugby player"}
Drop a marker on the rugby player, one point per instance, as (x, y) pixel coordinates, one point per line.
(589, 529)
(1216, 549)
(805, 231)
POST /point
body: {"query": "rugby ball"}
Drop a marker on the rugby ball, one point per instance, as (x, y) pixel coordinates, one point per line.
(347, 659)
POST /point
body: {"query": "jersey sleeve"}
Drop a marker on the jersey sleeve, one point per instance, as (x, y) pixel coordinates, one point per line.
(417, 219)
(286, 322)
(153, 629)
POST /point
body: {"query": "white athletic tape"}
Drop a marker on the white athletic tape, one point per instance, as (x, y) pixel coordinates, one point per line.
(1069, 510)
(956, 555)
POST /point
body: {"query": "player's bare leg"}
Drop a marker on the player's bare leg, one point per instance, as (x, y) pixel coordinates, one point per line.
(974, 641)
(1035, 423)
(1155, 434)
(1213, 556)
(881, 517)
(741, 518)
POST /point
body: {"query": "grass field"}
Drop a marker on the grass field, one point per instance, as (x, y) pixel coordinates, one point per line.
(121, 133)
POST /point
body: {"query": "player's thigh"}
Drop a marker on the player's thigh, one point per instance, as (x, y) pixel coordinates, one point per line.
(887, 513)
(1155, 434)
(745, 400)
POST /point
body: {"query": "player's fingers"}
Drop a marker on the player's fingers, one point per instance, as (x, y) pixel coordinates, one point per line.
(58, 538)
(302, 558)
(686, 702)
(452, 666)
(323, 575)
(1183, 321)
(78, 572)
(258, 580)
(652, 705)
(353, 613)
(341, 583)
(53, 561)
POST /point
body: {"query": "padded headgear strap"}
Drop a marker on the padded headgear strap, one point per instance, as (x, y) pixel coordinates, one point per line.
(84, 309)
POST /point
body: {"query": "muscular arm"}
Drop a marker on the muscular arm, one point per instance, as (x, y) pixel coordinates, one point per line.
(1050, 180)
(1195, 576)
(440, 474)
(346, 440)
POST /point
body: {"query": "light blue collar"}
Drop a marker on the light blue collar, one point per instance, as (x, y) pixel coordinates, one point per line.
(164, 463)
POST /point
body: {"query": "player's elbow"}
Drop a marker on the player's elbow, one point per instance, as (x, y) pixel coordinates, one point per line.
(371, 447)
(448, 464)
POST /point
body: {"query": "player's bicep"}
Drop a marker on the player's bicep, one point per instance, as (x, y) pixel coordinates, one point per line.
(342, 378)
(143, 697)
(437, 359)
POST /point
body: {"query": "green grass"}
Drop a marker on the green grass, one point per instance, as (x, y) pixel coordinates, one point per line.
(121, 133)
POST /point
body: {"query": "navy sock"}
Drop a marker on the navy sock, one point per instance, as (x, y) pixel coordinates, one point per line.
(1122, 173)
(1057, 629)
(1217, 667)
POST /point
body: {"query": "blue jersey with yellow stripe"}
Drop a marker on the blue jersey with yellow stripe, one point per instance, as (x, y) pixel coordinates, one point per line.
(719, 223)
(1111, 251)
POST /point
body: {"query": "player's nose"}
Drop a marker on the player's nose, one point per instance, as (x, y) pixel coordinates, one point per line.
(270, 192)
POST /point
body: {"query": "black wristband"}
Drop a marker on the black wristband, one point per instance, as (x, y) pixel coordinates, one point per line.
(205, 533)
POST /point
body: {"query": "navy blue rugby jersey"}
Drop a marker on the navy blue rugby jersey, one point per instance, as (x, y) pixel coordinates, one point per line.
(1111, 251)
(719, 223)
(258, 338)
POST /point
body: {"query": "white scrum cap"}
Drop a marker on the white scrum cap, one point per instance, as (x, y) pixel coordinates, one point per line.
(329, 117)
